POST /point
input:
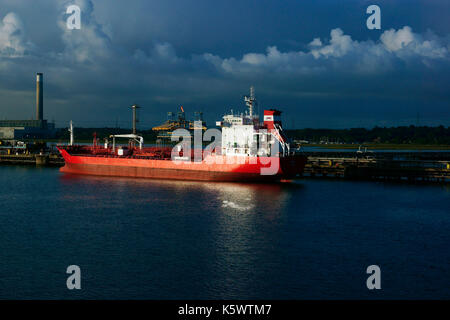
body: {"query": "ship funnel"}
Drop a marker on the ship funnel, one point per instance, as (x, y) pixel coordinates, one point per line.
(39, 96)
(272, 118)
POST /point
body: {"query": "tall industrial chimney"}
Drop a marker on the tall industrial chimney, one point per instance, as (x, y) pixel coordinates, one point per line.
(39, 94)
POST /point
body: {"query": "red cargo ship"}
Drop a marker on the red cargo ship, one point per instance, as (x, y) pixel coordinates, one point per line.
(249, 151)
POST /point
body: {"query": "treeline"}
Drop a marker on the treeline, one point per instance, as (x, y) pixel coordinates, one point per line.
(395, 135)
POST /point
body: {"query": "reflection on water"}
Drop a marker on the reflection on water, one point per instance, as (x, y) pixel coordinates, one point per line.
(232, 197)
(241, 225)
(239, 233)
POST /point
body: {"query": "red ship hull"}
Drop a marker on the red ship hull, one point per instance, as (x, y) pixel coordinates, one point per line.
(212, 168)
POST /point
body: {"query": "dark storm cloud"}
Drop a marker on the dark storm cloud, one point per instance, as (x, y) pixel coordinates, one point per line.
(162, 55)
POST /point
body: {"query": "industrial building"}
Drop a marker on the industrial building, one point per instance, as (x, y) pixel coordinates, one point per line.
(165, 130)
(29, 129)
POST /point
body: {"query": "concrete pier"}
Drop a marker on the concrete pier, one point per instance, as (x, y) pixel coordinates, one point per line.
(53, 160)
(413, 167)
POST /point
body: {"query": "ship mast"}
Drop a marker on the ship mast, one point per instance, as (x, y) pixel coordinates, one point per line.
(250, 101)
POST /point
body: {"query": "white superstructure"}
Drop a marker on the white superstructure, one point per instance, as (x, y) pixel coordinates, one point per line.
(243, 134)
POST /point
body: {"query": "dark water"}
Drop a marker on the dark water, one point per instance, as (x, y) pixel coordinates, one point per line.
(147, 239)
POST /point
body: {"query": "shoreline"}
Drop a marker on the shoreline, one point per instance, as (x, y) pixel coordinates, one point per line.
(370, 146)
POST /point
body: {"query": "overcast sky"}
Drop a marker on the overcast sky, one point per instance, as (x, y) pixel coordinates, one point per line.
(314, 60)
